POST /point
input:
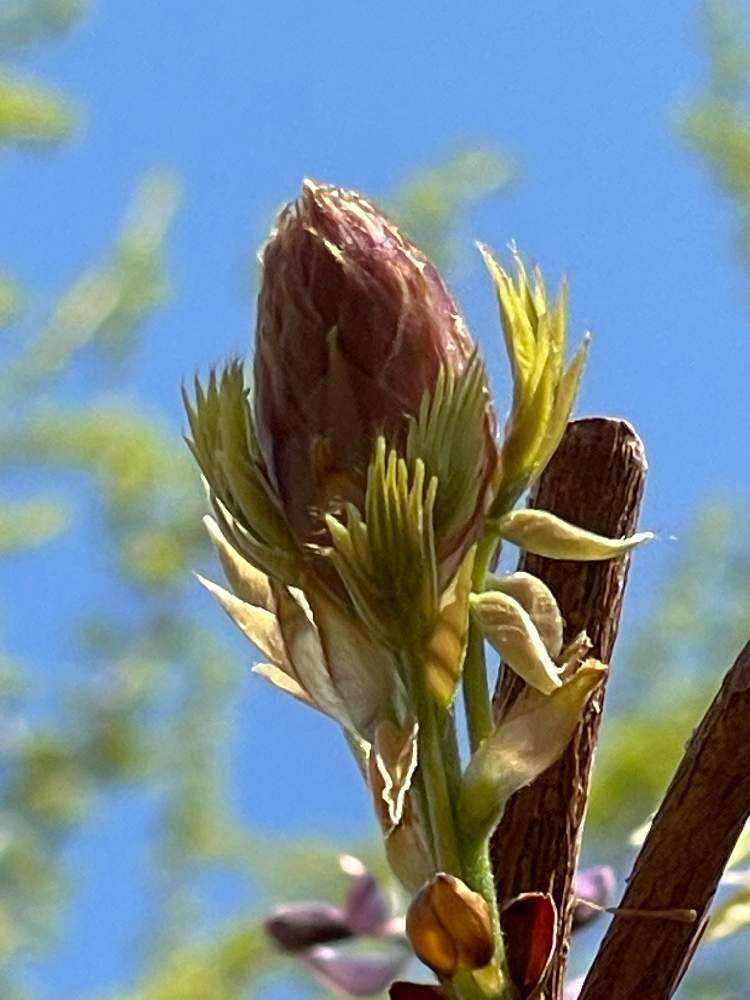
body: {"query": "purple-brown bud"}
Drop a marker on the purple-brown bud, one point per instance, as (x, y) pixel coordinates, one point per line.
(450, 927)
(354, 324)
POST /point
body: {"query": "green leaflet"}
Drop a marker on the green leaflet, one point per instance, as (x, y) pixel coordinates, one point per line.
(545, 534)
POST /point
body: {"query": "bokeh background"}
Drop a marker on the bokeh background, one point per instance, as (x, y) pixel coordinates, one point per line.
(155, 799)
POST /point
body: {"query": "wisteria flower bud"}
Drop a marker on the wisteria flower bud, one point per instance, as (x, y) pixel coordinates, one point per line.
(450, 927)
(354, 325)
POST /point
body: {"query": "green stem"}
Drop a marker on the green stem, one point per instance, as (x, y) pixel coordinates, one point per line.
(451, 754)
(477, 702)
(433, 771)
(477, 699)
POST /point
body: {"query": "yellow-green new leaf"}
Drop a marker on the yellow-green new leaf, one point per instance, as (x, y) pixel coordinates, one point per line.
(545, 534)
(446, 649)
(530, 738)
(510, 630)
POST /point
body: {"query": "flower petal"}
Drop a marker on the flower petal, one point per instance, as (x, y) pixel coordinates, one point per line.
(359, 975)
(510, 630)
(547, 535)
(538, 602)
(594, 889)
(530, 738)
(296, 926)
(366, 908)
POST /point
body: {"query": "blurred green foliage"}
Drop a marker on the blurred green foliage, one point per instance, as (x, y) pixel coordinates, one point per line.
(431, 203)
(154, 715)
(30, 112)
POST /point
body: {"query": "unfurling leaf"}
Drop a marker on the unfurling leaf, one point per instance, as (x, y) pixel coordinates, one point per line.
(535, 330)
(530, 738)
(545, 534)
(510, 630)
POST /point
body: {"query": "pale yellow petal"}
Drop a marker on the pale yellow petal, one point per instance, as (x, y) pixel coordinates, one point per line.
(538, 602)
(530, 738)
(509, 629)
(547, 535)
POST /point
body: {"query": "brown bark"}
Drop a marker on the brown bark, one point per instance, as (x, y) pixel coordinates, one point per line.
(595, 480)
(684, 855)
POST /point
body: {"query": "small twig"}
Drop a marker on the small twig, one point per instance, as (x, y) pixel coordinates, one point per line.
(684, 854)
(596, 480)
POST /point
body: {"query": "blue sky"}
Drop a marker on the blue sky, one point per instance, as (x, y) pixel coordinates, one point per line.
(244, 99)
